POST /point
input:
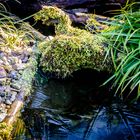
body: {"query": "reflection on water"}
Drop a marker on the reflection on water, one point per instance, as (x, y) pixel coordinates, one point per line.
(66, 111)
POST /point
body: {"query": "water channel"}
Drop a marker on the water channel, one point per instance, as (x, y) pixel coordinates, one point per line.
(77, 109)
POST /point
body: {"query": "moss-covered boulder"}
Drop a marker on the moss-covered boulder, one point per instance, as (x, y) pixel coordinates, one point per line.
(66, 54)
(71, 49)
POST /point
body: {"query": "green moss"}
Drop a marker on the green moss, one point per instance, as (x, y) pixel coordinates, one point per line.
(93, 25)
(5, 131)
(65, 54)
(54, 16)
(72, 48)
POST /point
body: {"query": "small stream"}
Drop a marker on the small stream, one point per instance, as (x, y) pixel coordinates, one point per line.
(77, 110)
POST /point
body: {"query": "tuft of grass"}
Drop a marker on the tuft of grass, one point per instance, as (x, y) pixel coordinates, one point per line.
(124, 47)
(13, 34)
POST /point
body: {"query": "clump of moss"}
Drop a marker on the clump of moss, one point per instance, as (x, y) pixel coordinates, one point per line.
(72, 48)
(64, 54)
(5, 131)
(54, 16)
(93, 25)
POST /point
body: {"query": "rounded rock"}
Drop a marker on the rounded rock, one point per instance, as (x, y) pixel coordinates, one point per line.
(8, 102)
(15, 86)
(2, 116)
(13, 74)
(3, 73)
(13, 97)
(2, 94)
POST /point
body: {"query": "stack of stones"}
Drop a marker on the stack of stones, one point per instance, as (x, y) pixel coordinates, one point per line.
(13, 63)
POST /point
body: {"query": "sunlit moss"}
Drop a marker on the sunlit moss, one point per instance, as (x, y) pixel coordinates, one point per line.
(5, 131)
(54, 16)
(66, 54)
(72, 48)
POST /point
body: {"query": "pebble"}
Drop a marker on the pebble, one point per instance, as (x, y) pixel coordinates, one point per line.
(25, 59)
(0, 99)
(8, 95)
(12, 64)
(16, 86)
(19, 67)
(8, 102)
(2, 94)
(13, 97)
(2, 88)
(2, 81)
(8, 68)
(3, 73)
(5, 60)
(8, 107)
(14, 75)
(2, 116)
(1, 54)
(7, 89)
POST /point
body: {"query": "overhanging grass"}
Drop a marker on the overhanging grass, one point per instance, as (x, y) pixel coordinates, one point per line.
(124, 47)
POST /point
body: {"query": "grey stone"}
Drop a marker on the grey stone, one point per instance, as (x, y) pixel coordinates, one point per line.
(25, 59)
(14, 75)
(2, 89)
(2, 54)
(13, 97)
(7, 89)
(8, 95)
(8, 102)
(19, 66)
(2, 94)
(3, 73)
(0, 99)
(2, 116)
(3, 81)
(16, 86)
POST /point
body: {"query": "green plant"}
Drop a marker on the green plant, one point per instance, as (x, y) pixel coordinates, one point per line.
(5, 131)
(13, 35)
(124, 47)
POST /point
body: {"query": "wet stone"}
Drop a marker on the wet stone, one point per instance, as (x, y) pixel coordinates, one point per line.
(14, 75)
(3, 81)
(13, 97)
(2, 94)
(8, 102)
(3, 73)
(7, 89)
(0, 99)
(4, 59)
(1, 54)
(8, 107)
(28, 51)
(19, 67)
(25, 59)
(2, 89)
(16, 86)
(2, 116)
(11, 61)
(8, 68)
(8, 95)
